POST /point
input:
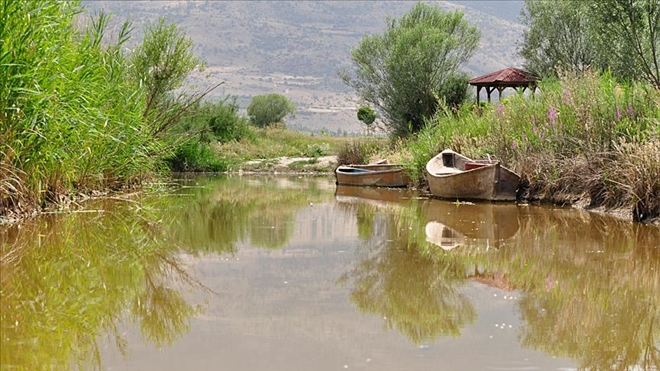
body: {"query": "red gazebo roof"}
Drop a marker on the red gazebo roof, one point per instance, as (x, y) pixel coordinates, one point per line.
(508, 77)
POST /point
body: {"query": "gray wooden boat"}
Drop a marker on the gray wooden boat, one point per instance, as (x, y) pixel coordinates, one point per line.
(451, 175)
(377, 175)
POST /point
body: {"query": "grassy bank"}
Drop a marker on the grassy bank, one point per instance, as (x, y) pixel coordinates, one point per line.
(71, 110)
(580, 138)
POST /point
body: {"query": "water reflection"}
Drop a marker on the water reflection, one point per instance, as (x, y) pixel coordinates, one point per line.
(589, 284)
(221, 212)
(69, 279)
(414, 292)
(452, 224)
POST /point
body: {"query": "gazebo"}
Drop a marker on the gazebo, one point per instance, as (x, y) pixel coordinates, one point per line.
(507, 78)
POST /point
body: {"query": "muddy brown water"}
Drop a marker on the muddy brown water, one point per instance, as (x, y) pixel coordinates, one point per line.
(294, 273)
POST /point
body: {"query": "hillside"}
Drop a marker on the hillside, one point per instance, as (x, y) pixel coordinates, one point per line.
(296, 47)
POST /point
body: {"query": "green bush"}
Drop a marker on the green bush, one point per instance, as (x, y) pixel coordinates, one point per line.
(268, 109)
(194, 156)
(216, 120)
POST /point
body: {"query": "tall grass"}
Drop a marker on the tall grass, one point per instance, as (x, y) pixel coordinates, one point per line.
(583, 135)
(71, 115)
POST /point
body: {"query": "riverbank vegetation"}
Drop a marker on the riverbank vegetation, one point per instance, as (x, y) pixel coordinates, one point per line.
(583, 136)
(591, 132)
(80, 114)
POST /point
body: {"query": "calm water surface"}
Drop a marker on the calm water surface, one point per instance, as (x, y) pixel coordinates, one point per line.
(287, 273)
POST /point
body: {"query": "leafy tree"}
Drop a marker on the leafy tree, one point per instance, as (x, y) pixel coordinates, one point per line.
(402, 72)
(367, 115)
(620, 35)
(454, 91)
(558, 33)
(162, 62)
(628, 33)
(268, 109)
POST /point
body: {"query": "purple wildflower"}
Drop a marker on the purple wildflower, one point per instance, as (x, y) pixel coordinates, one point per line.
(500, 109)
(552, 114)
(618, 114)
(630, 111)
(514, 144)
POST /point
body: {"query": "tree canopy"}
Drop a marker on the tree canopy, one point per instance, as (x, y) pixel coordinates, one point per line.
(162, 62)
(267, 109)
(620, 35)
(403, 72)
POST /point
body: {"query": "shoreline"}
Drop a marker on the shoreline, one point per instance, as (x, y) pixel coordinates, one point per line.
(75, 202)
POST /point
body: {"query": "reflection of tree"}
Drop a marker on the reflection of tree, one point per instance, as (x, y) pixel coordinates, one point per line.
(416, 295)
(272, 228)
(220, 212)
(589, 283)
(69, 279)
(160, 310)
(591, 289)
(76, 277)
(365, 221)
(620, 334)
(414, 292)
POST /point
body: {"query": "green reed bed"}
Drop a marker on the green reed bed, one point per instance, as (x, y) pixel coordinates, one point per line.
(70, 110)
(583, 136)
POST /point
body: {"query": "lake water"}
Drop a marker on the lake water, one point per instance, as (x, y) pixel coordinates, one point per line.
(294, 273)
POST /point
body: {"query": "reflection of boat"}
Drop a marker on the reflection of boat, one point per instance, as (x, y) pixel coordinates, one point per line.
(489, 222)
(379, 175)
(443, 236)
(452, 175)
(372, 195)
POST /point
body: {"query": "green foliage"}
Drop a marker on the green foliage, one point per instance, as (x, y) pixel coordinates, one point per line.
(75, 278)
(367, 115)
(403, 72)
(621, 36)
(316, 150)
(77, 112)
(356, 152)
(215, 120)
(161, 64)
(628, 34)
(195, 156)
(557, 35)
(268, 109)
(71, 113)
(568, 137)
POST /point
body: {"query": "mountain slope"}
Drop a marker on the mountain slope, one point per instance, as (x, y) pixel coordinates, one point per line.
(296, 47)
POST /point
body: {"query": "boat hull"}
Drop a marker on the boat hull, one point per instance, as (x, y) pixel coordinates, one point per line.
(481, 180)
(372, 175)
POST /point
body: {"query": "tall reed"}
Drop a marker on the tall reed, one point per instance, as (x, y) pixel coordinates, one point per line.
(71, 115)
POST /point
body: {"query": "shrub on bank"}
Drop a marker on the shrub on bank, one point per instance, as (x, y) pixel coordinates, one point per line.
(357, 152)
(194, 156)
(582, 134)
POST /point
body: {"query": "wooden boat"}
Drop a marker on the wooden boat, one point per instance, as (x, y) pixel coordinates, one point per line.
(378, 175)
(454, 176)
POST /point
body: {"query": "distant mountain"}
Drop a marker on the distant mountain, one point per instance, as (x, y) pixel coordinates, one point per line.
(296, 47)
